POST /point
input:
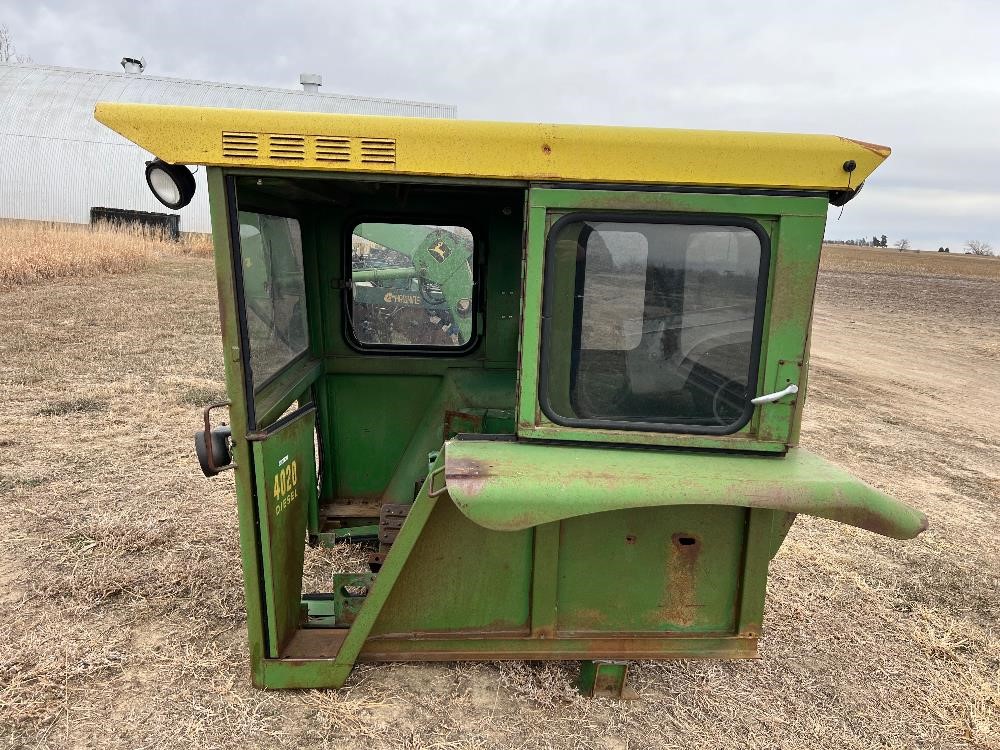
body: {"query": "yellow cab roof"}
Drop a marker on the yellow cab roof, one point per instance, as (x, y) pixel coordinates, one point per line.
(491, 150)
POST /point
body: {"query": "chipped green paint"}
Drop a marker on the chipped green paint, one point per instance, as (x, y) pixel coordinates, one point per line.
(508, 486)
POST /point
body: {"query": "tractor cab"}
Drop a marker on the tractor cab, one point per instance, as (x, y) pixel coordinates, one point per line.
(547, 381)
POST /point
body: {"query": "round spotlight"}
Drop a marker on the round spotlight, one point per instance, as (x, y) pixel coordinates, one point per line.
(172, 184)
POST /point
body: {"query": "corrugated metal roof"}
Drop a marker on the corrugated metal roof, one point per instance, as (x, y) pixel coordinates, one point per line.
(56, 160)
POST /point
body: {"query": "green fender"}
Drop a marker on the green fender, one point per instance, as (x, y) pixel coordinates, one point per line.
(507, 485)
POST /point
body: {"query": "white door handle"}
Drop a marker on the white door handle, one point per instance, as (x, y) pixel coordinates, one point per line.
(769, 397)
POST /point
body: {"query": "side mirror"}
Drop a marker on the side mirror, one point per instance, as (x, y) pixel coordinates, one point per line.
(212, 444)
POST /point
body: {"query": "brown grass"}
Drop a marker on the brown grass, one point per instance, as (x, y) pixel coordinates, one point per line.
(31, 252)
(854, 259)
(121, 604)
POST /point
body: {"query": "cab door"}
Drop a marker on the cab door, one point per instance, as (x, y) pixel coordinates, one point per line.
(660, 317)
(271, 382)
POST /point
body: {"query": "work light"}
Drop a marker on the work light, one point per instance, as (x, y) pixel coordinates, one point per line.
(172, 184)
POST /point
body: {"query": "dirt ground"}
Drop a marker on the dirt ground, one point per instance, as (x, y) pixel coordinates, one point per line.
(909, 262)
(121, 614)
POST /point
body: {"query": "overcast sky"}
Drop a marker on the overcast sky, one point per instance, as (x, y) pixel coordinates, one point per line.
(921, 77)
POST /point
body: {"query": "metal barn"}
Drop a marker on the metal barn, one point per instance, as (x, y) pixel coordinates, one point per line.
(57, 161)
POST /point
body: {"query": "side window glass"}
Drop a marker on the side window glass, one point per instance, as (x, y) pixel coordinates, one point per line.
(274, 292)
(411, 286)
(614, 290)
(660, 325)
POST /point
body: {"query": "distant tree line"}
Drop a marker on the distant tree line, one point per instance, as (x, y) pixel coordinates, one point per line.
(972, 247)
(978, 247)
(875, 241)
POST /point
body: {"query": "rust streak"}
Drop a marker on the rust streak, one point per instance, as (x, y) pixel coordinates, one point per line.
(882, 151)
(466, 475)
(679, 605)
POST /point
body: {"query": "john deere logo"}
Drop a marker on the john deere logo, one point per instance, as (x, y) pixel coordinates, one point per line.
(401, 299)
(439, 251)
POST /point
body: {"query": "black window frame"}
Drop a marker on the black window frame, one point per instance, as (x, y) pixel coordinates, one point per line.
(478, 233)
(647, 217)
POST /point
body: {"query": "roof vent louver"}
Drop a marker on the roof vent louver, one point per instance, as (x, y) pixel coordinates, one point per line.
(240, 145)
(286, 147)
(333, 148)
(378, 151)
(291, 147)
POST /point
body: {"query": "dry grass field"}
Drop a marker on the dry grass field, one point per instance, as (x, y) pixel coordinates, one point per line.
(32, 252)
(889, 260)
(121, 615)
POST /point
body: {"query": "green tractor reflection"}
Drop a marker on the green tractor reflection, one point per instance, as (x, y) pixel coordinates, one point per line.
(412, 285)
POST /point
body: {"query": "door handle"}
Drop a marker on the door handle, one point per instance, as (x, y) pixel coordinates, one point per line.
(769, 397)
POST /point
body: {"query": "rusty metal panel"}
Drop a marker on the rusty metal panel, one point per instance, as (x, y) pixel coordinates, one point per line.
(667, 569)
(516, 485)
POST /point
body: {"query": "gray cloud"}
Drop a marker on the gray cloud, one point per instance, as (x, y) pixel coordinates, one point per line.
(919, 76)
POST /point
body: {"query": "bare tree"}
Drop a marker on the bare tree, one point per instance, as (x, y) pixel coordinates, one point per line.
(8, 52)
(902, 244)
(978, 247)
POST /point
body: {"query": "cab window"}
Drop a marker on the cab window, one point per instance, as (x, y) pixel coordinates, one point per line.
(652, 324)
(411, 287)
(274, 292)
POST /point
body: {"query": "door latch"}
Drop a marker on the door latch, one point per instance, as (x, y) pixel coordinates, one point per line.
(767, 398)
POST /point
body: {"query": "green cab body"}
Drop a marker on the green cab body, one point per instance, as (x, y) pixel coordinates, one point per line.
(548, 380)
